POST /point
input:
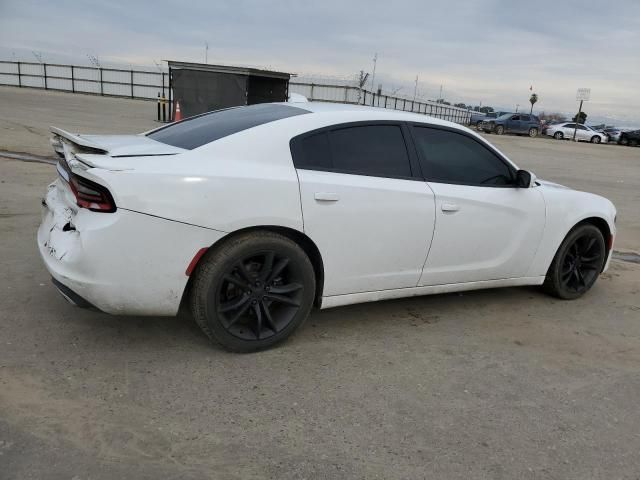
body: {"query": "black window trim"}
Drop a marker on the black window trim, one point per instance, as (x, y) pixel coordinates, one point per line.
(295, 145)
(488, 147)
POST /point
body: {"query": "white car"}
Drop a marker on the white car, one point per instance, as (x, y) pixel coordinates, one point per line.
(252, 215)
(561, 131)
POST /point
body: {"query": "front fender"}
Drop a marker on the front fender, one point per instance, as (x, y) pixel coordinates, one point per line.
(565, 208)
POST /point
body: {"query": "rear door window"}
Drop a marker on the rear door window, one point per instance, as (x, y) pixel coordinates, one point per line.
(202, 129)
(372, 150)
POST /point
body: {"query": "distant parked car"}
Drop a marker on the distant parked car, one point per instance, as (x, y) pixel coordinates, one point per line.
(518, 123)
(477, 118)
(583, 133)
(546, 124)
(631, 138)
(613, 134)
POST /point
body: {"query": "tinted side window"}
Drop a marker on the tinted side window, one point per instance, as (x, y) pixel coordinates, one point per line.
(377, 150)
(314, 152)
(570, 125)
(449, 157)
(515, 117)
(525, 118)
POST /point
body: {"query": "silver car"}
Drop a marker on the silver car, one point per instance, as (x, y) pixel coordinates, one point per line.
(565, 130)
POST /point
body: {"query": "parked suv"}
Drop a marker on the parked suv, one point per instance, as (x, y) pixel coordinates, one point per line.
(478, 118)
(518, 123)
(631, 138)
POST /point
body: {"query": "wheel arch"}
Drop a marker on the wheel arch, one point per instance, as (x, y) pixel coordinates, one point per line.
(600, 223)
(298, 237)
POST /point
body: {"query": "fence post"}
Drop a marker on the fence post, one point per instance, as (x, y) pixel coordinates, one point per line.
(45, 75)
(131, 83)
(386, 97)
(312, 85)
(73, 80)
(19, 76)
(163, 84)
(346, 94)
(101, 87)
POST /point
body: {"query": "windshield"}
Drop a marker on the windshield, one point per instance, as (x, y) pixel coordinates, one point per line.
(202, 129)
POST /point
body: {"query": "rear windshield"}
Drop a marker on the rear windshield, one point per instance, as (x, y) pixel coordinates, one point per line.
(202, 129)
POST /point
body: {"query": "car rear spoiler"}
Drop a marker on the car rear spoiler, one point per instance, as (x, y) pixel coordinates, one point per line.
(83, 143)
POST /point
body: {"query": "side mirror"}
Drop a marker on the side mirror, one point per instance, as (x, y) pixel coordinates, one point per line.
(525, 179)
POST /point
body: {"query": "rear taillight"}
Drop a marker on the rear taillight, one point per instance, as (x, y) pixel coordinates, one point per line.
(91, 195)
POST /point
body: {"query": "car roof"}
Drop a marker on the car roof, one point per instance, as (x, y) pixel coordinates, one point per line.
(360, 112)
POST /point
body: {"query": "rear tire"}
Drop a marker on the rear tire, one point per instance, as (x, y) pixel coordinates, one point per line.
(595, 139)
(253, 291)
(533, 132)
(479, 125)
(577, 263)
(558, 135)
(499, 130)
(623, 141)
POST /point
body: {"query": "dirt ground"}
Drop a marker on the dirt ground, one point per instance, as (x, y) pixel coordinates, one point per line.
(493, 384)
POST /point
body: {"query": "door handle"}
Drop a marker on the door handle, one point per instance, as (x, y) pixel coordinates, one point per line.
(449, 207)
(326, 197)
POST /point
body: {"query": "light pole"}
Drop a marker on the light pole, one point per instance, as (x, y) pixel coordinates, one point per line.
(373, 76)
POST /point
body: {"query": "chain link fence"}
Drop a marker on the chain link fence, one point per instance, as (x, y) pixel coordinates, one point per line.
(149, 85)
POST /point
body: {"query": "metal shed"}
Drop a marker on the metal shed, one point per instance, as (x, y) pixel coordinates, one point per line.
(200, 87)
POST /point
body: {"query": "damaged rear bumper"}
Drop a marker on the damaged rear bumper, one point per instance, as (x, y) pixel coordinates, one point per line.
(124, 263)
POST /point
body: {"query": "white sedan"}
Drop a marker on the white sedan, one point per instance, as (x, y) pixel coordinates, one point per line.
(251, 216)
(561, 131)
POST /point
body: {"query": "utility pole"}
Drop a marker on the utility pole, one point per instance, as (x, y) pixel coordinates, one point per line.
(440, 97)
(373, 77)
(206, 51)
(517, 105)
(577, 120)
(415, 89)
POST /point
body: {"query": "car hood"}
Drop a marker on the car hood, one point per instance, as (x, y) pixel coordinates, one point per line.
(545, 183)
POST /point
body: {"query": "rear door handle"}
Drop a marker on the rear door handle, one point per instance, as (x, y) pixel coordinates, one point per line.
(326, 197)
(449, 207)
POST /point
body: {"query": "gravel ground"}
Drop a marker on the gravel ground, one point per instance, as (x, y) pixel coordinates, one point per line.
(493, 384)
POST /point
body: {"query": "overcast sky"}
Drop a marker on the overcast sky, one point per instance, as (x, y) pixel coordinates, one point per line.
(490, 51)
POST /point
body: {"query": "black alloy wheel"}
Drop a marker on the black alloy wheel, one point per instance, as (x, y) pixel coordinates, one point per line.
(259, 296)
(252, 291)
(578, 263)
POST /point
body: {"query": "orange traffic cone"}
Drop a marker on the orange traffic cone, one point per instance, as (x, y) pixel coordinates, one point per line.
(178, 116)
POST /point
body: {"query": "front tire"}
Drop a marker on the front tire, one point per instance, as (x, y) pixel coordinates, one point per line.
(253, 291)
(558, 136)
(499, 130)
(595, 139)
(577, 264)
(533, 132)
